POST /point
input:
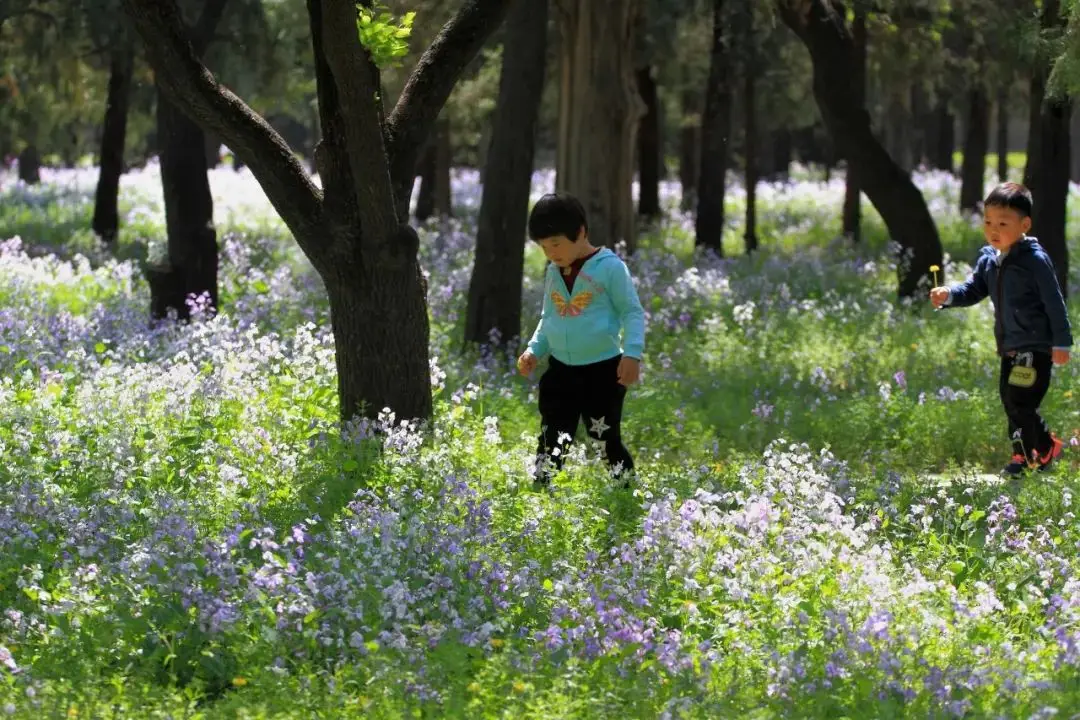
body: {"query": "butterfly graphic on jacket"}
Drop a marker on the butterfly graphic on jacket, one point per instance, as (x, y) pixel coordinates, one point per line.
(575, 306)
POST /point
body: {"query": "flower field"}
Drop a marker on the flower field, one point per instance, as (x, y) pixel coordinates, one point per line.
(187, 532)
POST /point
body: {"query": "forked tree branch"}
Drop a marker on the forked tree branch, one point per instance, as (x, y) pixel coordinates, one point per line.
(431, 83)
(357, 82)
(187, 82)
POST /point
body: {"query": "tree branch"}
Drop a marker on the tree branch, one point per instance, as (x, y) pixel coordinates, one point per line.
(357, 81)
(193, 88)
(430, 85)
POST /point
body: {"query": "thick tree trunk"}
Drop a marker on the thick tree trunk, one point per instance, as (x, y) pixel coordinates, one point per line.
(1003, 134)
(106, 222)
(648, 150)
(715, 137)
(599, 112)
(889, 188)
(189, 217)
(852, 192)
(976, 145)
(494, 301)
(690, 148)
(898, 134)
(30, 165)
(382, 357)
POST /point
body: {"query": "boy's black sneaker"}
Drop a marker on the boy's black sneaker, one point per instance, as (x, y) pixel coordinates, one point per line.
(1046, 461)
(1017, 466)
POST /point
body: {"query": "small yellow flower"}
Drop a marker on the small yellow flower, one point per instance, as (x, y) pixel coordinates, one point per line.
(496, 643)
(934, 269)
(239, 681)
(474, 687)
(914, 346)
(1068, 394)
(519, 687)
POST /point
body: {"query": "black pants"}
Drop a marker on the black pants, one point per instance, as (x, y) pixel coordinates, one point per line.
(1025, 378)
(591, 393)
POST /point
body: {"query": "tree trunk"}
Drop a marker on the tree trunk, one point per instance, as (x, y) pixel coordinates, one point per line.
(690, 148)
(943, 137)
(213, 151)
(1036, 94)
(649, 155)
(852, 192)
(1051, 191)
(1047, 172)
(106, 222)
(750, 129)
(599, 112)
(898, 134)
(889, 188)
(30, 165)
(382, 357)
(1003, 134)
(976, 145)
(189, 217)
(494, 301)
(715, 138)
(779, 154)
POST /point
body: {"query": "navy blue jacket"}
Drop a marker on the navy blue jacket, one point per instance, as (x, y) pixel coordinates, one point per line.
(1029, 310)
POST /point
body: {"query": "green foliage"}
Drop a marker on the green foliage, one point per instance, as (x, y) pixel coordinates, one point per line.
(384, 35)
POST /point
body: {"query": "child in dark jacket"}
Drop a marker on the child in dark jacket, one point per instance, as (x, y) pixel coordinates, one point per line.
(1031, 322)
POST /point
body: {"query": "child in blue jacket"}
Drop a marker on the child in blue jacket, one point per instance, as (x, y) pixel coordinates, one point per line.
(1031, 322)
(589, 298)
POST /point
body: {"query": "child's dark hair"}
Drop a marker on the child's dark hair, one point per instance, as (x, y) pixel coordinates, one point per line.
(1011, 195)
(557, 213)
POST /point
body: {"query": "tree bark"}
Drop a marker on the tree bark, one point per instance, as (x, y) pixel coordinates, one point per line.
(106, 221)
(494, 301)
(599, 112)
(750, 128)
(192, 267)
(30, 165)
(1047, 172)
(715, 138)
(852, 192)
(648, 150)
(779, 154)
(943, 136)
(889, 188)
(1003, 134)
(690, 148)
(976, 145)
(192, 264)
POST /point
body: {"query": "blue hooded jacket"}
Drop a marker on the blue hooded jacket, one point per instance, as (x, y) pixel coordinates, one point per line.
(1029, 310)
(583, 327)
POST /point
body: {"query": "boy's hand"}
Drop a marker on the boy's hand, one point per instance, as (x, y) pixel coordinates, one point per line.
(526, 363)
(629, 371)
(939, 296)
(1059, 357)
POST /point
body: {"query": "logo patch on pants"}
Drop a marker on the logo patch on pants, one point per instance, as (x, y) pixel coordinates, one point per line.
(1023, 377)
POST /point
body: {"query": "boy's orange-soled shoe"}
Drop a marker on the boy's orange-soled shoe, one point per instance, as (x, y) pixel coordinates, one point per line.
(1045, 461)
(1017, 465)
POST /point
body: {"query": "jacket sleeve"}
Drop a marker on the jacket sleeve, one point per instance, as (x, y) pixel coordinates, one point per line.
(627, 305)
(538, 343)
(972, 290)
(1053, 302)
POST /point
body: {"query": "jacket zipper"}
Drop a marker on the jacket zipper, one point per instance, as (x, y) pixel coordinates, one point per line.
(999, 320)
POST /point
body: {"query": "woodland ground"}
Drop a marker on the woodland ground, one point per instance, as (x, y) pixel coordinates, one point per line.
(185, 532)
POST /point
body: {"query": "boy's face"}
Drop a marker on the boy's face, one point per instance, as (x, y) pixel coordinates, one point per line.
(1004, 227)
(560, 250)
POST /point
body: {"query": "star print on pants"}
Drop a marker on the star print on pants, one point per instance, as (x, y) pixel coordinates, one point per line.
(598, 426)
